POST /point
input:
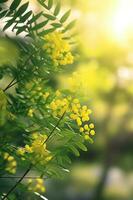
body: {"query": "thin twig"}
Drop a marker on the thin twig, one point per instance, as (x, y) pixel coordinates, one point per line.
(55, 127)
(17, 183)
(16, 177)
(9, 84)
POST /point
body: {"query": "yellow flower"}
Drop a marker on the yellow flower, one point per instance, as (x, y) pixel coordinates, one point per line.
(57, 93)
(30, 112)
(92, 132)
(79, 122)
(86, 137)
(46, 95)
(28, 149)
(73, 116)
(21, 151)
(11, 163)
(91, 125)
(38, 149)
(36, 185)
(80, 114)
(59, 106)
(86, 127)
(58, 49)
(81, 129)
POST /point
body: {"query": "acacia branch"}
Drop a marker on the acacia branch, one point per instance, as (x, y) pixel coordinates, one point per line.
(31, 165)
(17, 183)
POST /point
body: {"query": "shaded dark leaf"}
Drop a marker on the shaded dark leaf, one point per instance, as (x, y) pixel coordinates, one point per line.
(25, 17)
(15, 4)
(22, 9)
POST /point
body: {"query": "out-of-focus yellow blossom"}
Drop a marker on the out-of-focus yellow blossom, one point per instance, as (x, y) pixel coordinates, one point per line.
(21, 151)
(37, 149)
(58, 49)
(36, 185)
(57, 93)
(30, 112)
(11, 163)
(46, 95)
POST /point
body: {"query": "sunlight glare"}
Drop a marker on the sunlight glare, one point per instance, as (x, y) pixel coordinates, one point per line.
(122, 22)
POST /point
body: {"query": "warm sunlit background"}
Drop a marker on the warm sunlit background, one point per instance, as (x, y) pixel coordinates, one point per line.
(103, 76)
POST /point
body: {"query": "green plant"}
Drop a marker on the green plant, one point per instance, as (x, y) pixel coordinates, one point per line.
(40, 125)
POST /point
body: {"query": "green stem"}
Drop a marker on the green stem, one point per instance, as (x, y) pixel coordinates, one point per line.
(55, 127)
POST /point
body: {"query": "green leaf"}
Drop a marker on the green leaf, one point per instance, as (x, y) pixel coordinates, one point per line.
(50, 4)
(40, 25)
(67, 159)
(50, 17)
(57, 8)
(22, 9)
(9, 23)
(35, 18)
(56, 25)
(70, 25)
(74, 150)
(25, 17)
(41, 2)
(46, 32)
(3, 1)
(3, 13)
(20, 29)
(91, 140)
(15, 4)
(3, 107)
(81, 146)
(65, 16)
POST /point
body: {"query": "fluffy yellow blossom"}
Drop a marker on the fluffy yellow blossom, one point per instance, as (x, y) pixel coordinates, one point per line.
(81, 129)
(92, 132)
(36, 185)
(46, 95)
(57, 93)
(21, 151)
(86, 137)
(30, 112)
(58, 49)
(86, 127)
(80, 114)
(37, 149)
(79, 122)
(59, 106)
(11, 163)
(91, 125)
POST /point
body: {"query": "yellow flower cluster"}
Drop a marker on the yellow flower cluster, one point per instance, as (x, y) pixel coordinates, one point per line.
(36, 185)
(37, 93)
(11, 163)
(81, 114)
(58, 49)
(59, 105)
(37, 149)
